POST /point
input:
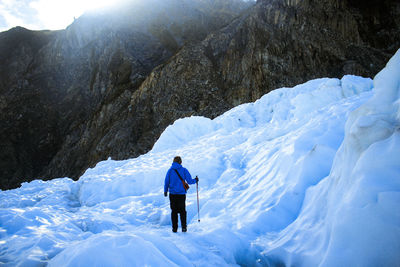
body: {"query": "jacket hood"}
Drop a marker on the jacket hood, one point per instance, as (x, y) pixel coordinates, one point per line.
(176, 166)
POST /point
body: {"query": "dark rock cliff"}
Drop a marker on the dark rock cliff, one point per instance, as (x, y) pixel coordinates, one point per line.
(276, 43)
(22, 110)
(109, 85)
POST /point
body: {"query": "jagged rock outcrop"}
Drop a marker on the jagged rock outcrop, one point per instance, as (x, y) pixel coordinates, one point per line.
(97, 84)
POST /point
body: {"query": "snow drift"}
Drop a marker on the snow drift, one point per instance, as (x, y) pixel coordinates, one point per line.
(305, 176)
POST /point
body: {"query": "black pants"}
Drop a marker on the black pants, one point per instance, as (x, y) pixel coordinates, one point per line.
(177, 203)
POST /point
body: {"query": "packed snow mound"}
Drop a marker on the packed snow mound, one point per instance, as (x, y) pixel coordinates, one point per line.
(121, 249)
(277, 107)
(305, 176)
(352, 217)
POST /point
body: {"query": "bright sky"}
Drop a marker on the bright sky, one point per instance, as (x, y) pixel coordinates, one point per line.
(45, 14)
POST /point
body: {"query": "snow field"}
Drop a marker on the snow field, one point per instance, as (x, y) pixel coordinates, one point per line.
(305, 176)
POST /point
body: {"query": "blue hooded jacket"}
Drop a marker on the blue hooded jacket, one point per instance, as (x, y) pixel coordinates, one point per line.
(173, 182)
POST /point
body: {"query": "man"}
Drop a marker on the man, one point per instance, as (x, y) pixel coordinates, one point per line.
(177, 192)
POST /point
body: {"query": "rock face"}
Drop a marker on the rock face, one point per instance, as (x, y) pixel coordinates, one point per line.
(27, 125)
(110, 84)
(276, 43)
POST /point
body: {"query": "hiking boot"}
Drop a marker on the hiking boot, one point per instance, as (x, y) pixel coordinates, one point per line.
(174, 230)
(184, 229)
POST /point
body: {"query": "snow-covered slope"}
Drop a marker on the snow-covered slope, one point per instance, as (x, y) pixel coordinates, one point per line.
(305, 176)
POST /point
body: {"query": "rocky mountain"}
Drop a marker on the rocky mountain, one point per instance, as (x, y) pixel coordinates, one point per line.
(56, 86)
(109, 84)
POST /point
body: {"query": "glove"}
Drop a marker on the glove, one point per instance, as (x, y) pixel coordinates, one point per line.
(165, 194)
(197, 179)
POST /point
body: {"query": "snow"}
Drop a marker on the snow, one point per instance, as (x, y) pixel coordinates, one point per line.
(305, 176)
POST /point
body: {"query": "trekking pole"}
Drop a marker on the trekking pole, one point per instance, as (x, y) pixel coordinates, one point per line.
(198, 206)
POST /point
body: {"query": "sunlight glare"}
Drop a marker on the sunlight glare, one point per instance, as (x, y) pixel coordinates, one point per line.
(59, 14)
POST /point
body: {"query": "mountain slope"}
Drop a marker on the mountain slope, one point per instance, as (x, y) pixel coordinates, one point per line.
(110, 84)
(291, 179)
(56, 86)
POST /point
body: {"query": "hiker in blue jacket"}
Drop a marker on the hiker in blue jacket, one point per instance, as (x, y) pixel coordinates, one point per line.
(174, 183)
